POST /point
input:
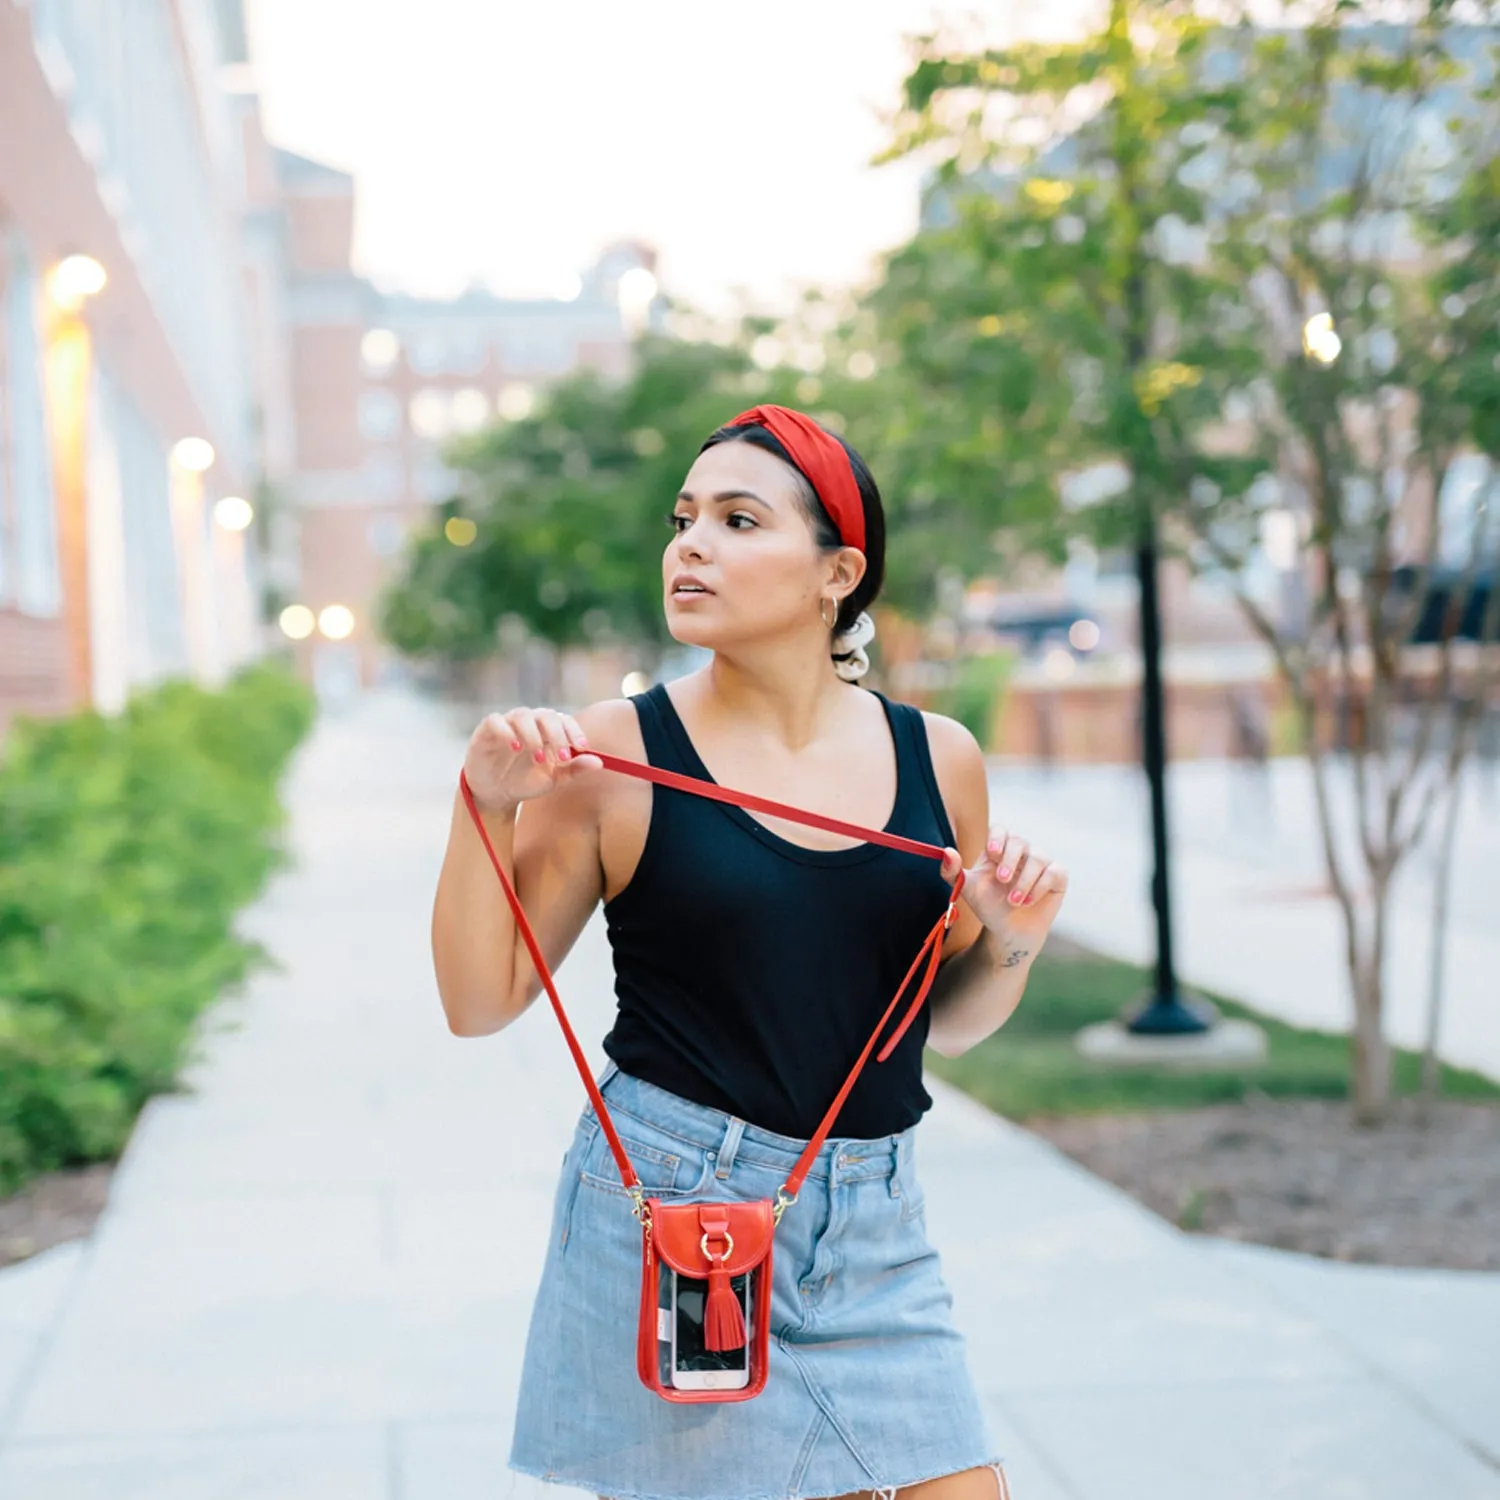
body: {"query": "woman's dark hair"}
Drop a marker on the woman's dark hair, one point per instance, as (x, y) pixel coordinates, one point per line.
(825, 533)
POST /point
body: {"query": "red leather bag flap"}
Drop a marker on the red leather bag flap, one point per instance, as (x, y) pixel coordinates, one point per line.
(677, 1231)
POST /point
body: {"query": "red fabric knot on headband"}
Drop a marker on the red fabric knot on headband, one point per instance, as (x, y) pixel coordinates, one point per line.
(822, 458)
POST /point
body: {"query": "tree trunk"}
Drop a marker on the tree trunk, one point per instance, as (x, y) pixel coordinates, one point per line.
(1371, 1052)
(1364, 918)
(1431, 1070)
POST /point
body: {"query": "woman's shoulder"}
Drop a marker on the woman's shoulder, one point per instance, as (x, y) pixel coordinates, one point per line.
(957, 765)
(950, 744)
(951, 741)
(612, 725)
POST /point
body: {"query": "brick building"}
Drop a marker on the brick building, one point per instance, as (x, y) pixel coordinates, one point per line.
(384, 380)
(128, 400)
(205, 414)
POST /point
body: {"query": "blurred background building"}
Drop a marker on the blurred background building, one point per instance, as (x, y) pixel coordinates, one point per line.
(129, 403)
(206, 417)
(385, 380)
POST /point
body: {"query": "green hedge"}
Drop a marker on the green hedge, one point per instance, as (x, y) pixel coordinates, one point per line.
(975, 692)
(127, 846)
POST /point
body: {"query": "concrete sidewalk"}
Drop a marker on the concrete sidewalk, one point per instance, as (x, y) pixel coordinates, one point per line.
(313, 1277)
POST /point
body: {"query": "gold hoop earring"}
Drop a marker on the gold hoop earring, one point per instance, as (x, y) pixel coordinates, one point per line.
(827, 623)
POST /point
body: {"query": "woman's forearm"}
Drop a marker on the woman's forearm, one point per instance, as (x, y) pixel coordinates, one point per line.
(473, 930)
(976, 991)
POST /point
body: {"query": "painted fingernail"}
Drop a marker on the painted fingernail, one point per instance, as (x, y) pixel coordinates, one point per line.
(565, 753)
(1005, 872)
(541, 755)
(1016, 898)
(515, 744)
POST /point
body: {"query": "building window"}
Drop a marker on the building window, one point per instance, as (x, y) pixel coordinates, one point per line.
(29, 574)
(436, 481)
(379, 350)
(385, 475)
(429, 414)
(516, 401)
(379, 416)
(466, 353)
(429, 352)
(470, 409)
(448, 349)
(385, 534)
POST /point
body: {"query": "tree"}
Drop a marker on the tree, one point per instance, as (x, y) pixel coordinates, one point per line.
(1223, 258)
(562, 517)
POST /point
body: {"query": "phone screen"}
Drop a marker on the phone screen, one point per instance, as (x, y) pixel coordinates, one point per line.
(691, 1353)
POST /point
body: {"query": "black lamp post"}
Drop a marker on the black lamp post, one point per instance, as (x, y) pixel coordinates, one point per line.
(1164, 1011)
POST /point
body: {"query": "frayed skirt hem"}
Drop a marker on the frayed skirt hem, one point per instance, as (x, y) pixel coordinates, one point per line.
(599, 1486)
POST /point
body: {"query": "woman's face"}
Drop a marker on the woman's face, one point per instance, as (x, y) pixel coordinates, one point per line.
(743, 564)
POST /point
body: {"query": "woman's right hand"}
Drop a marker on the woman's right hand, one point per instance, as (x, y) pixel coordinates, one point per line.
(524, 753)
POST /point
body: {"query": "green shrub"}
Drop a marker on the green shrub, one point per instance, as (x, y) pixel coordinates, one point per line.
(127, 846)
(974, 693)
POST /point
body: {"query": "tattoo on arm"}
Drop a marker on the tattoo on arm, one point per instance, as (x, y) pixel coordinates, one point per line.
(1013, 957)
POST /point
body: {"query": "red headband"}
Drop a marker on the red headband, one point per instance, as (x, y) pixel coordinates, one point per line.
(822, 458)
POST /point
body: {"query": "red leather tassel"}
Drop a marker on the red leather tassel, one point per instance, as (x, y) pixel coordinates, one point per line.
(723, 1319)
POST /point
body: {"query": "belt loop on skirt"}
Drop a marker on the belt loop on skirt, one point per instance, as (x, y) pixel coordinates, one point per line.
(900, 1163)
(729, 1147)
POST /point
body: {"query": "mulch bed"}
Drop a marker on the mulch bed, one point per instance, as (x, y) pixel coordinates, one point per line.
(1299, 1175)
(55, 1207)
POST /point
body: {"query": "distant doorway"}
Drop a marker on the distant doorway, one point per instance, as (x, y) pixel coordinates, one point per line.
(336, 673)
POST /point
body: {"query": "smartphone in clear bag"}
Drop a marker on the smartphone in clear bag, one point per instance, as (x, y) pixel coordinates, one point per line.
(686, 1361)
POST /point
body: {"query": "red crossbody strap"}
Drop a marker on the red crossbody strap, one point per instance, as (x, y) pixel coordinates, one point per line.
(627, 1172)
(928, 955)
(717, 793)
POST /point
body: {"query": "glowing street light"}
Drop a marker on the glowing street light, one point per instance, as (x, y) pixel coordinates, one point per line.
(636, 292)
(195, 454)
(1059, 664)
(233, 513)
(637, 287)
(67, 367)
(516, 401)
(73, 280)
(379, 349)
(336, 622)
(297, 622)
(1083, 635)
(1319, 341)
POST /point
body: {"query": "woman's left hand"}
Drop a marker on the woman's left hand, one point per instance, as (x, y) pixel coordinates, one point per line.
(1015, 890)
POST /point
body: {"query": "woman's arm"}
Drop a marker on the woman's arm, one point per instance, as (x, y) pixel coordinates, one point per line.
(550, 850)
(990, 948)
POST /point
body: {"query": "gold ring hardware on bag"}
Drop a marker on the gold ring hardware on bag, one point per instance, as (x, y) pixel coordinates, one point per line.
(728, 1246)
(784, 1201)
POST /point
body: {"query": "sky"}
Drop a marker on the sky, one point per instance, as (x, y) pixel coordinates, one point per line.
(508, 141)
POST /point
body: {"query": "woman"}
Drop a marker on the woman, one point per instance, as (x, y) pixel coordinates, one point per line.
(752, 958)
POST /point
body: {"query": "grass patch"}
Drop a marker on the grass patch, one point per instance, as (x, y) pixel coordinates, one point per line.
(1031, 1066)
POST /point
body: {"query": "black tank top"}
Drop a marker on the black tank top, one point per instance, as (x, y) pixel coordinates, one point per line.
(750, 971)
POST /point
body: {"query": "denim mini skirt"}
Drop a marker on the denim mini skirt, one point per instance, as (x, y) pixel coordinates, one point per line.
(869, 1386)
